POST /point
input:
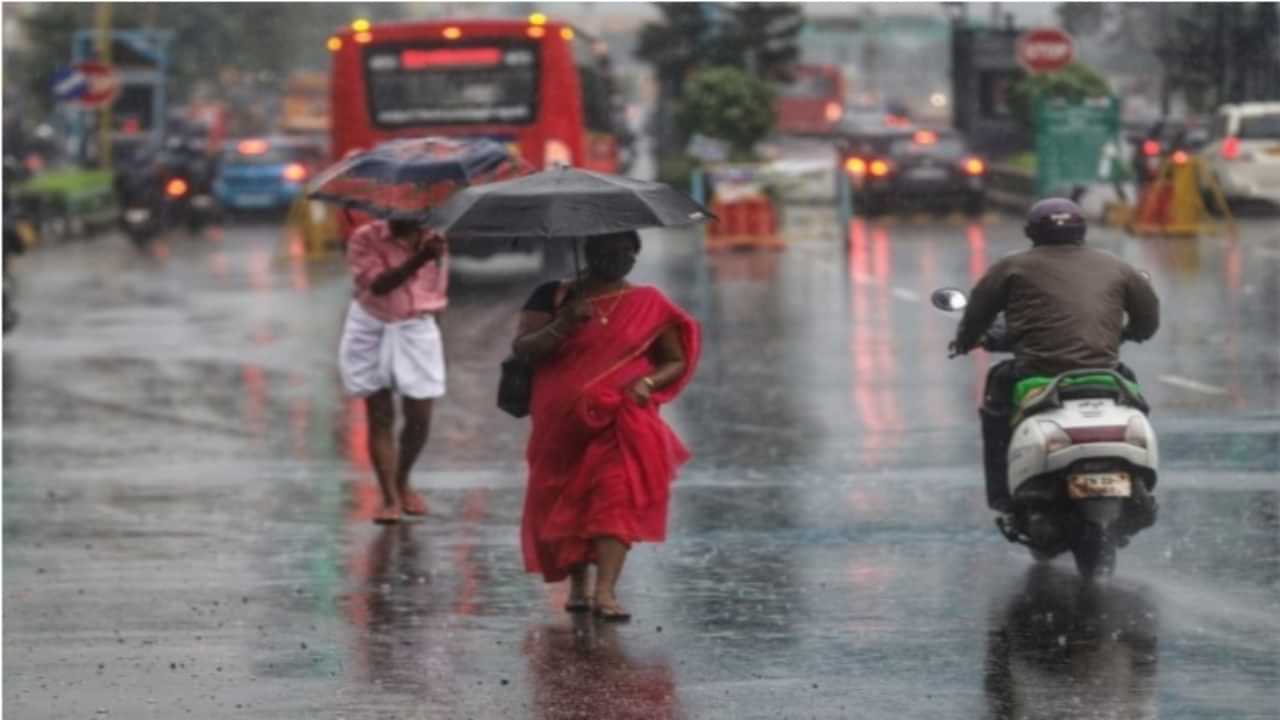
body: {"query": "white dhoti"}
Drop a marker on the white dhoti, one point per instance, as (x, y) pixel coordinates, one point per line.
(405, 356)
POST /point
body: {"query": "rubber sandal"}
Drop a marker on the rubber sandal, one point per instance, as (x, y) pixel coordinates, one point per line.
(579, 606)
(387, 517)
(413, 504)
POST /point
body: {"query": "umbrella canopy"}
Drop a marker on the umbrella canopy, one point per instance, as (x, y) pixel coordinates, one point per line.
(404, 178)
(563, 203)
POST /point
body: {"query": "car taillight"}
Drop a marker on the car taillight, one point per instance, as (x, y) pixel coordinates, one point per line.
(1150, 148)
(255, 146)
(974, 166)
(855, 166)
(295, 172)
(1231, 148)
(176, 188)
(833, 111)
(879, 168)
(556, 153)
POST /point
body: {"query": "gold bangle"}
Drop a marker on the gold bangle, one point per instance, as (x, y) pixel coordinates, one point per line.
(650, 382)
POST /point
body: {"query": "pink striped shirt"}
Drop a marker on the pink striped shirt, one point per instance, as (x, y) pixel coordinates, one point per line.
(372, 250)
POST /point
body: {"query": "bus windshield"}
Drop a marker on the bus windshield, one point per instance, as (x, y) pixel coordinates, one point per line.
(434, 84)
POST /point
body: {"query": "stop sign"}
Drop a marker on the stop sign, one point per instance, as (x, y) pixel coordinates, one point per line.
(103, 84)
(1042, 50)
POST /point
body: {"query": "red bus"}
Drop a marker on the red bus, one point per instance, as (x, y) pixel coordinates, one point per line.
(541, 86)
(813, 103)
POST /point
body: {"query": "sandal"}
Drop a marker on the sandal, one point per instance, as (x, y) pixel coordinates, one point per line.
(608, 615)
(387, 516)
(578, 606)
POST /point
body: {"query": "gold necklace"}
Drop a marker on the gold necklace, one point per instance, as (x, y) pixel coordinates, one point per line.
(604, 316)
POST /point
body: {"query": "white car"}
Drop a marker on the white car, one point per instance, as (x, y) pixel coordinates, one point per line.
(1244, 153)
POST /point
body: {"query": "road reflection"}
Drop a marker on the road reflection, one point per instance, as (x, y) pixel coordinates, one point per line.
(389, 599)
(585, 672)
(1063, 648)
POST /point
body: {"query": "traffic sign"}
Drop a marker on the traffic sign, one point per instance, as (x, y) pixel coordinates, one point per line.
(1046, 49)
(102, 84)
(1070, 138)
(68, 84)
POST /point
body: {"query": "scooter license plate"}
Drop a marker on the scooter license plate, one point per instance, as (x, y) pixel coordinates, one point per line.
(1092, 485)
(137, 215)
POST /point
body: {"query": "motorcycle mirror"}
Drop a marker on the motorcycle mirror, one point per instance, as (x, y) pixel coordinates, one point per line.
(949, 299)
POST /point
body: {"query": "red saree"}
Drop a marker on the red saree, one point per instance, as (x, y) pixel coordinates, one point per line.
(599, 464)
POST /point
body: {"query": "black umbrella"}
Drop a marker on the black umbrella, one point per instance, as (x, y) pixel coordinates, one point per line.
(563, 203)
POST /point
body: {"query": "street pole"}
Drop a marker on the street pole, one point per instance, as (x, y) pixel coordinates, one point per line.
(104, 56)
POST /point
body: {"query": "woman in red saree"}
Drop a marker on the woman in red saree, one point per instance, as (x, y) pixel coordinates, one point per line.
(606, 355)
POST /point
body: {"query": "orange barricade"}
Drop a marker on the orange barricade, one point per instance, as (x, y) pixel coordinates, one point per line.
(748, 221)
(1174, 203)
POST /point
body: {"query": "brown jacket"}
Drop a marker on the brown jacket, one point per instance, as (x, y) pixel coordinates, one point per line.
(1065, 306)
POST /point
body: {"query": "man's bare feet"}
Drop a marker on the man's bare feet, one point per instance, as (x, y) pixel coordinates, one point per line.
(387, 515)
(412, 503)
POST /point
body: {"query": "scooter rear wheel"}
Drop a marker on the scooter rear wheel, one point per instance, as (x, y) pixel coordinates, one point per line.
(1095, 552)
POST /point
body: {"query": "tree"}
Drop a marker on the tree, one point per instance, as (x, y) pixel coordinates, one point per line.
(730, 104)
(1075, 82)
(1211, 53)
(759, 37)
(763, 38)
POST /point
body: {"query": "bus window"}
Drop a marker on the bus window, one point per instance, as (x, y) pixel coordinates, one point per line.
(595, 100)
(434, 84)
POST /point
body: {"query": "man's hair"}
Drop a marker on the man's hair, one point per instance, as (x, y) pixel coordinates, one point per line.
(402, 226)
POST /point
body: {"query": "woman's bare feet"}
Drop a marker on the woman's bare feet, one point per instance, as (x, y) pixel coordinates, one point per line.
(387, 514)
(412, 503)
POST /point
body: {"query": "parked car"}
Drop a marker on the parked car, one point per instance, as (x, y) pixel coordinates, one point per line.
(266, 173)
(1244, 150)
(921, 167)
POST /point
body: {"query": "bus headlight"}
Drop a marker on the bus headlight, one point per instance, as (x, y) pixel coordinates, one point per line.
(556, 153)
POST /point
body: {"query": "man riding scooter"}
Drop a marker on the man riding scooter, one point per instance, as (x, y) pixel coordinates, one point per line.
(1065, 306)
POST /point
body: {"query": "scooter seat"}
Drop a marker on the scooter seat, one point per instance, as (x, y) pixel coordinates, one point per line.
(1040, 392)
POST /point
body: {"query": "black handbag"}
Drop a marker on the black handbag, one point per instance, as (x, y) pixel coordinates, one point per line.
(515, 387)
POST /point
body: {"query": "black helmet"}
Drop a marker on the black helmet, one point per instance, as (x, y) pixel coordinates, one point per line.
(1055, 221)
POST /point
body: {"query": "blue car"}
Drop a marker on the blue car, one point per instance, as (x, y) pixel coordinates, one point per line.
(266, 173)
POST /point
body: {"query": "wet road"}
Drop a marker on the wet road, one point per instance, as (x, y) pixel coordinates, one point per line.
(186, 501)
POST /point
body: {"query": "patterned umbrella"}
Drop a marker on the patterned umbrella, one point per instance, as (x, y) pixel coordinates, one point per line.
(405, 178)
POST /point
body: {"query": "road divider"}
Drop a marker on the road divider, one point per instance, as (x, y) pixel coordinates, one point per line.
(1193, 385)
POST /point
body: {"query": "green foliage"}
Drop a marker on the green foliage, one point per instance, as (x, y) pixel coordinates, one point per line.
(762, 37)
(1075, 82)
(729, 104)
(677, 171)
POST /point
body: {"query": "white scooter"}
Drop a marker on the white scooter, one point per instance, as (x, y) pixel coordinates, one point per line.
(1082, 462)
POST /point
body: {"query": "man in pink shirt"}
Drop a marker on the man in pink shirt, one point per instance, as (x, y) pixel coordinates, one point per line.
(391, 343)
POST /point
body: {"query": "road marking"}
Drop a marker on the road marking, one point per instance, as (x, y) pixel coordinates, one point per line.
(1189, 384)
(905, 294)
